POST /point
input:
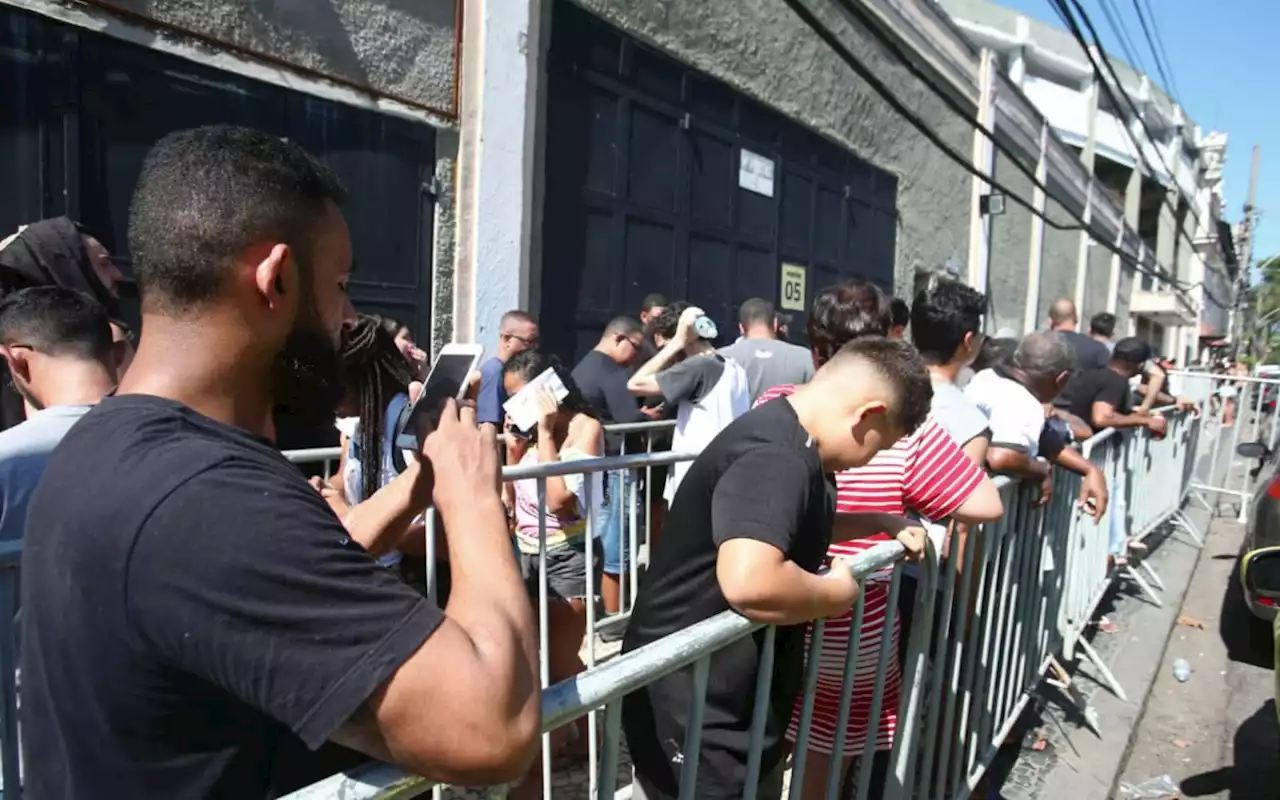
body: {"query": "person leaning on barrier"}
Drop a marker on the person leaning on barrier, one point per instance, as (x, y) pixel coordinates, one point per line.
(748, 531)
(1014, 399)
(946, 327)
(925, 474)
(198, 612)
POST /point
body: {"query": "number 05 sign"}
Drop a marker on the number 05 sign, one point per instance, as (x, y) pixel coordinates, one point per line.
(793, 276)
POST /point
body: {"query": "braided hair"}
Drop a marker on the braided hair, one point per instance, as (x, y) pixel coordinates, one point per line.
(375, 371)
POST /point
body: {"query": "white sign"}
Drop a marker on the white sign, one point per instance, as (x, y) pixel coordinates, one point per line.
(755, 173)
(792, 290)
(522, 409)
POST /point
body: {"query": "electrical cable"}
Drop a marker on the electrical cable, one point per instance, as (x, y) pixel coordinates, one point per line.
(1156, 53)
(955, 106)
(1069, 20)
(1116, 23)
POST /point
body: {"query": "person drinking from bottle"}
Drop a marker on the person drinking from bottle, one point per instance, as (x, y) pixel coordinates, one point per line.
(707, 389)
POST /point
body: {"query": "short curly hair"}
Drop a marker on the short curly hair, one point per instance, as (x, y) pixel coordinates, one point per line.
(847, 311)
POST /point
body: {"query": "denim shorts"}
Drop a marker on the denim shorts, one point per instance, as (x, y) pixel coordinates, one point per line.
(615, 522)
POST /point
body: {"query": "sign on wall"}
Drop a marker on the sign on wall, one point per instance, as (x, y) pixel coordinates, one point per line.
(755, 173)
(792, 293)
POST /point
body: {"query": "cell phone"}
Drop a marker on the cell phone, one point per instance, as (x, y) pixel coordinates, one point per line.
(448, 378)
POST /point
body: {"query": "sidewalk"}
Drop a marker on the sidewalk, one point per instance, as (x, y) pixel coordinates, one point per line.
(1085, 739)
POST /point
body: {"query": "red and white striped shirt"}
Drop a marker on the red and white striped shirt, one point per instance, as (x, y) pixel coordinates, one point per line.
(927, 473)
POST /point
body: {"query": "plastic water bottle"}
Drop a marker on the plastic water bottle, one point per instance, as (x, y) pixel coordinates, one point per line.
(1182, 670)
(705, 328)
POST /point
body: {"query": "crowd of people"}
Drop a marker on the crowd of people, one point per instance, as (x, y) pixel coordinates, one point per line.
(200, 620)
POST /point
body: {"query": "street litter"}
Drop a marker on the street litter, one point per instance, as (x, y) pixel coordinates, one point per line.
(1162, 788)
(1182, 670)
(1191, 622)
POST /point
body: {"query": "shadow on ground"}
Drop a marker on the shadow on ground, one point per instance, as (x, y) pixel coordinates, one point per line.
(1255, 769)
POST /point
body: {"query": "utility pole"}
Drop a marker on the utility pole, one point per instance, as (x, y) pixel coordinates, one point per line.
(1244, 253)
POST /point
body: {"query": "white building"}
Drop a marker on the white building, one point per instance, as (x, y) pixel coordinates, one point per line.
(1171, 190)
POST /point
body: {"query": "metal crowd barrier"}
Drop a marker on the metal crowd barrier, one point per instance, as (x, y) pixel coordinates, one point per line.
(1251, 394)
(991, 619)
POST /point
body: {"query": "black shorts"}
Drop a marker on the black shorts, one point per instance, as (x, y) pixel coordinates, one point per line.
(566, 573)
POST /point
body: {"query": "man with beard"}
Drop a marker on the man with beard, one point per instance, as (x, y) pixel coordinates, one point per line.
(194, 611)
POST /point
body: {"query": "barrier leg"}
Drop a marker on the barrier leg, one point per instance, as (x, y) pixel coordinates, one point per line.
(1104, 672)
(1151, 573)
(1132, 574)
(1181, 520)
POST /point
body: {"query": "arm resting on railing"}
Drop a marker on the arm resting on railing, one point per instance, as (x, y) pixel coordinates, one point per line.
(982, 505)
(761, 584)
(1093, 489)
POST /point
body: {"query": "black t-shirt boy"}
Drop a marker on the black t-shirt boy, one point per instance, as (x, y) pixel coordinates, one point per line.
(1099, 386)
(194, 612)
(722, 498)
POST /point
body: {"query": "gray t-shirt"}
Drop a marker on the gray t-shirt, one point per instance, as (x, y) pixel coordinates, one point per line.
(957, 414)
(769, 363)
(24, 450)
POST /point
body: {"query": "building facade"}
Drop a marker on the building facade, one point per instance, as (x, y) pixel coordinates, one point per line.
(571, 157)
(1149, 158)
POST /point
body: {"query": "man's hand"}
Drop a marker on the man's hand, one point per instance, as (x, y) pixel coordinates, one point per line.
(684, 328)
(331, 496)
(1157, 425)
(844, 589)
(913, 538)
(1046, 490)
(462, 457)
(1094, 495)
(653, 413)
(1187, 404)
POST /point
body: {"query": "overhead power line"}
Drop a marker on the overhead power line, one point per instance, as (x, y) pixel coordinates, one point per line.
(1116, 22)
(1073, 27)
(1157, 46)
(963, 161)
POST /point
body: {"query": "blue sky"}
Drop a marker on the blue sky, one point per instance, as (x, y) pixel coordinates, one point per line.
(1220, 60)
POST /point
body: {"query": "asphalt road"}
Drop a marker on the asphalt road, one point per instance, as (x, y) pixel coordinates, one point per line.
(1216, 735)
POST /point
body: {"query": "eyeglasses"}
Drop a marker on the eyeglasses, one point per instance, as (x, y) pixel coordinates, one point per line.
(531, 341)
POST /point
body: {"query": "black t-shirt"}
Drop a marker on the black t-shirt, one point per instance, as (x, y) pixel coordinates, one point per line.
(722, 497)
(194, 612)
(603, 382)
(1099, 386)
(1090, 354)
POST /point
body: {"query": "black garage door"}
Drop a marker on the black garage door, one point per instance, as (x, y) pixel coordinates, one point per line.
(82, 109)
(644, 191)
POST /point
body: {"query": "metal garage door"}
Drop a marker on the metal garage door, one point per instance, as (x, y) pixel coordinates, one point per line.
(658, 180)
(86, 108)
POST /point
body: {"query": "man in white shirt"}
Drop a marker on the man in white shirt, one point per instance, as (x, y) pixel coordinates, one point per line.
(58, 346)
(1015, 401)
(707, 390)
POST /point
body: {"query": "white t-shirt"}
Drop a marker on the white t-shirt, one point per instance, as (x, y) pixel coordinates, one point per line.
(1014, 415)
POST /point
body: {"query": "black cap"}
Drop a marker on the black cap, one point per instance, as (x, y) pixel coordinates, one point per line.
(1132, 350)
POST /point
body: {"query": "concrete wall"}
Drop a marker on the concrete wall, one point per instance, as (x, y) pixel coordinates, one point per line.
(762, 49)
(1010, 251)
(1061, 256)
(1125, 291)
(399, 48)
(1096, 281)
